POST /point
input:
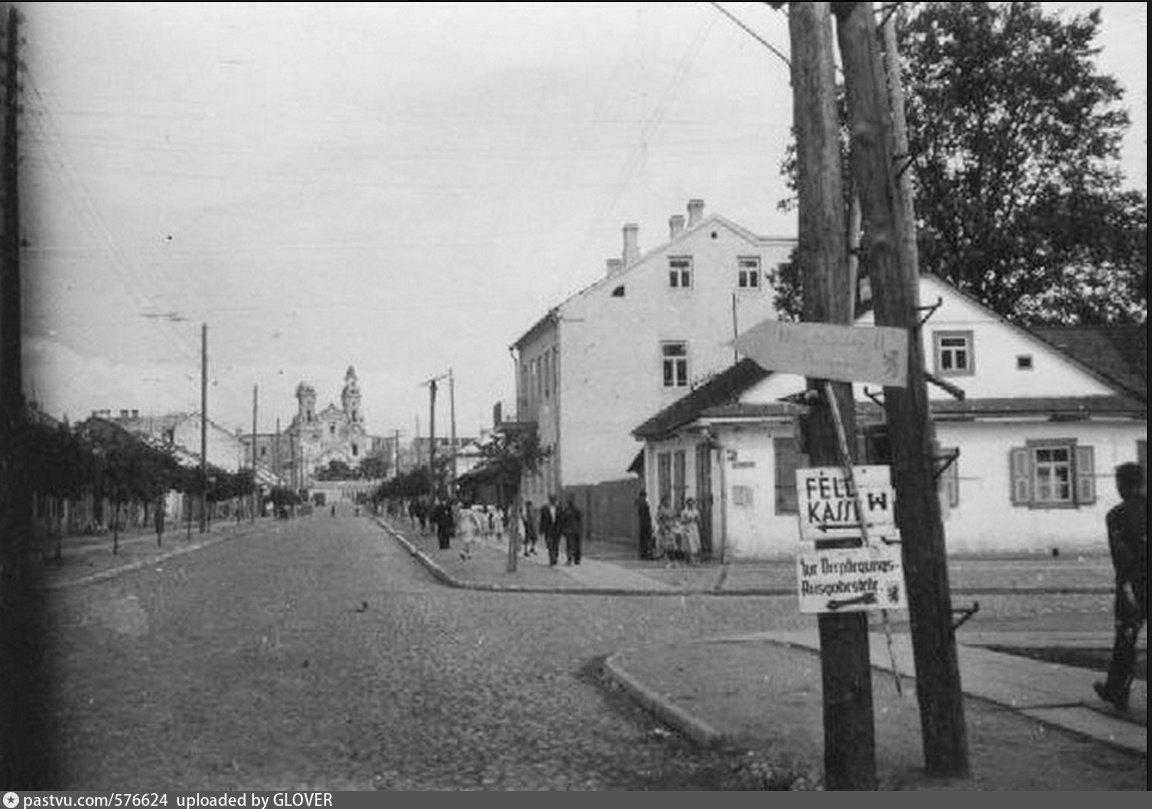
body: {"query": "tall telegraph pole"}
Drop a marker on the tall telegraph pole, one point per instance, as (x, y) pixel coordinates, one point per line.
(887, 217)
(203, 425)
(255, 485)
(849, 736)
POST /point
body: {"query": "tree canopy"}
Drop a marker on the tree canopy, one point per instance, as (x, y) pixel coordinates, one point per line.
(1014, 143)
(1014, 140)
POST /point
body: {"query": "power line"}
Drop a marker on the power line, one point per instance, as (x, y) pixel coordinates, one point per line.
(752, 33)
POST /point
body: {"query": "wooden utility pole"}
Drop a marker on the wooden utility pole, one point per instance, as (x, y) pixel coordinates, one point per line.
(849, 736)
(895, 291)
(203, 425)
(255, 485)
(452, 416)
(432, 436)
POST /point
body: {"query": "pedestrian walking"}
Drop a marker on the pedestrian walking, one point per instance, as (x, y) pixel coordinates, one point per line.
(644, 517)
(468, 527)
(1127, 525)
(571, 526)
(443, 522)
(528, 517)
(159, 521)
(550, 528)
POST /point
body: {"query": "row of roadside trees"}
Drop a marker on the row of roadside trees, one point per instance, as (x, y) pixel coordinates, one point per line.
(98, 477)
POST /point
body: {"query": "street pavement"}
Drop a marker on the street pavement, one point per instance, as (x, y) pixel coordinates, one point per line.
(761, 690)
(729, 690)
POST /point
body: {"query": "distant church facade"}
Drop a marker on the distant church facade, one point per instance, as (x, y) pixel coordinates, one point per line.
(332, 434)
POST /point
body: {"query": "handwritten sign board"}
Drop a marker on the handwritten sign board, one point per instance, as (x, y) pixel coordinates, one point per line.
(851, 579)
(876, 354)
(828, 503)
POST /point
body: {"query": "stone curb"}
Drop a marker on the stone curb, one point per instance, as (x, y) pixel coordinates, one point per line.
(667, 711)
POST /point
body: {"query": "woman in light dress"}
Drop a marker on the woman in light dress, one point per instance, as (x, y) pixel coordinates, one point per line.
(690, 531)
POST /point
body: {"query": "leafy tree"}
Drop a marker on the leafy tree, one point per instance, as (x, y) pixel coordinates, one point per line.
(374, 467)
(1014, 138)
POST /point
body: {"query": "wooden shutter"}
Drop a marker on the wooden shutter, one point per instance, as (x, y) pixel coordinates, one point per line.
(1020, 472)
(1085, 476)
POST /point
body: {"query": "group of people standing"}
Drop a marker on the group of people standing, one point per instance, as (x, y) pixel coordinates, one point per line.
(676, 537)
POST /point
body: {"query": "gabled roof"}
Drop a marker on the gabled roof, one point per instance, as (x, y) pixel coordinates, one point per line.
(723, 389)
(1117, 353)
(553, 314)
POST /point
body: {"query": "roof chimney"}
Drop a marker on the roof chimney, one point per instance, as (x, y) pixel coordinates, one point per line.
(631, 243)
(675, 225)
(123, 414)
(135, 414)
(695, 212)
(614, 265)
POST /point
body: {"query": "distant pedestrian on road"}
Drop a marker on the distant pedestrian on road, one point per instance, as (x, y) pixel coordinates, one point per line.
(550, 527)
(1128, 541)
(159, 521)
(667, 531)
(528, 516)
(442, 520)
(571, 526)
(644, 515)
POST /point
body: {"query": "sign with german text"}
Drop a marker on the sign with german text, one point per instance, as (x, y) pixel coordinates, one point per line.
(830, 509)
(851, 579)
(876, 354)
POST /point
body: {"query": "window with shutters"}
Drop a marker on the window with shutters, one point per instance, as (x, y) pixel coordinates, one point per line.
(664, 477)
(748, 272)
(1055, 473)
(788, 460)
(679, 479)
(950, 477)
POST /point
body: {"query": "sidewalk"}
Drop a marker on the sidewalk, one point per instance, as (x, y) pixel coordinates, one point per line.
(762, 692)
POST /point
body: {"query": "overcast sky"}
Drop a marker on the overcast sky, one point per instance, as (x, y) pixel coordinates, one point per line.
(404, 188)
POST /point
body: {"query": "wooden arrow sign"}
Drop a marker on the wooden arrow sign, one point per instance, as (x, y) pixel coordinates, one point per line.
(876, 354)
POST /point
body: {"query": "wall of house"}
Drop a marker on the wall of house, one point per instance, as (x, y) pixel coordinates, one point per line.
(985, 519)
(611, 344)
(224, 450)
(538, 401)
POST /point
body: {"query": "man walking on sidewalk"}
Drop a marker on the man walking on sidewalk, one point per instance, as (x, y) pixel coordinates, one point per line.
(571, 525)
(1128, 541)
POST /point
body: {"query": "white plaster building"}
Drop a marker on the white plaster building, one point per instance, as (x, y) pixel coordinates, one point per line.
(1046, 417)
(225, 449)
(654, 326)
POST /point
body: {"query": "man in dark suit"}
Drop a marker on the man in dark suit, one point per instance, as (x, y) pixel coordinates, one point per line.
(550, 528)
(571, 525)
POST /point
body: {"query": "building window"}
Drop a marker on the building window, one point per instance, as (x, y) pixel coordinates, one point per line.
(788, 460)
(355, 450)
(675, 359)
(618, 292)
(331, 429)
(1023, 362)
(748, 273)
(679, 479)
(949, 480)
(680, 272)
(263, 452)
(664, 477)
(546, 372)
(953, 350)
(1053, 474)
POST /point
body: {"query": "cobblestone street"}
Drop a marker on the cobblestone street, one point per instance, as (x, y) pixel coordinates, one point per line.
(316, 653)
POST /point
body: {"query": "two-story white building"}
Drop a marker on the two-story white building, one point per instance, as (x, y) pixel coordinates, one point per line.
(653, 327)
(1046, 416)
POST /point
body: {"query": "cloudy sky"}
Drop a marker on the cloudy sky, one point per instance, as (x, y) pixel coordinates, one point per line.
(404, 188)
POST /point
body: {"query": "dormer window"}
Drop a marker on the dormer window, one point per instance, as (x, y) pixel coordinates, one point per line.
(680, 272)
